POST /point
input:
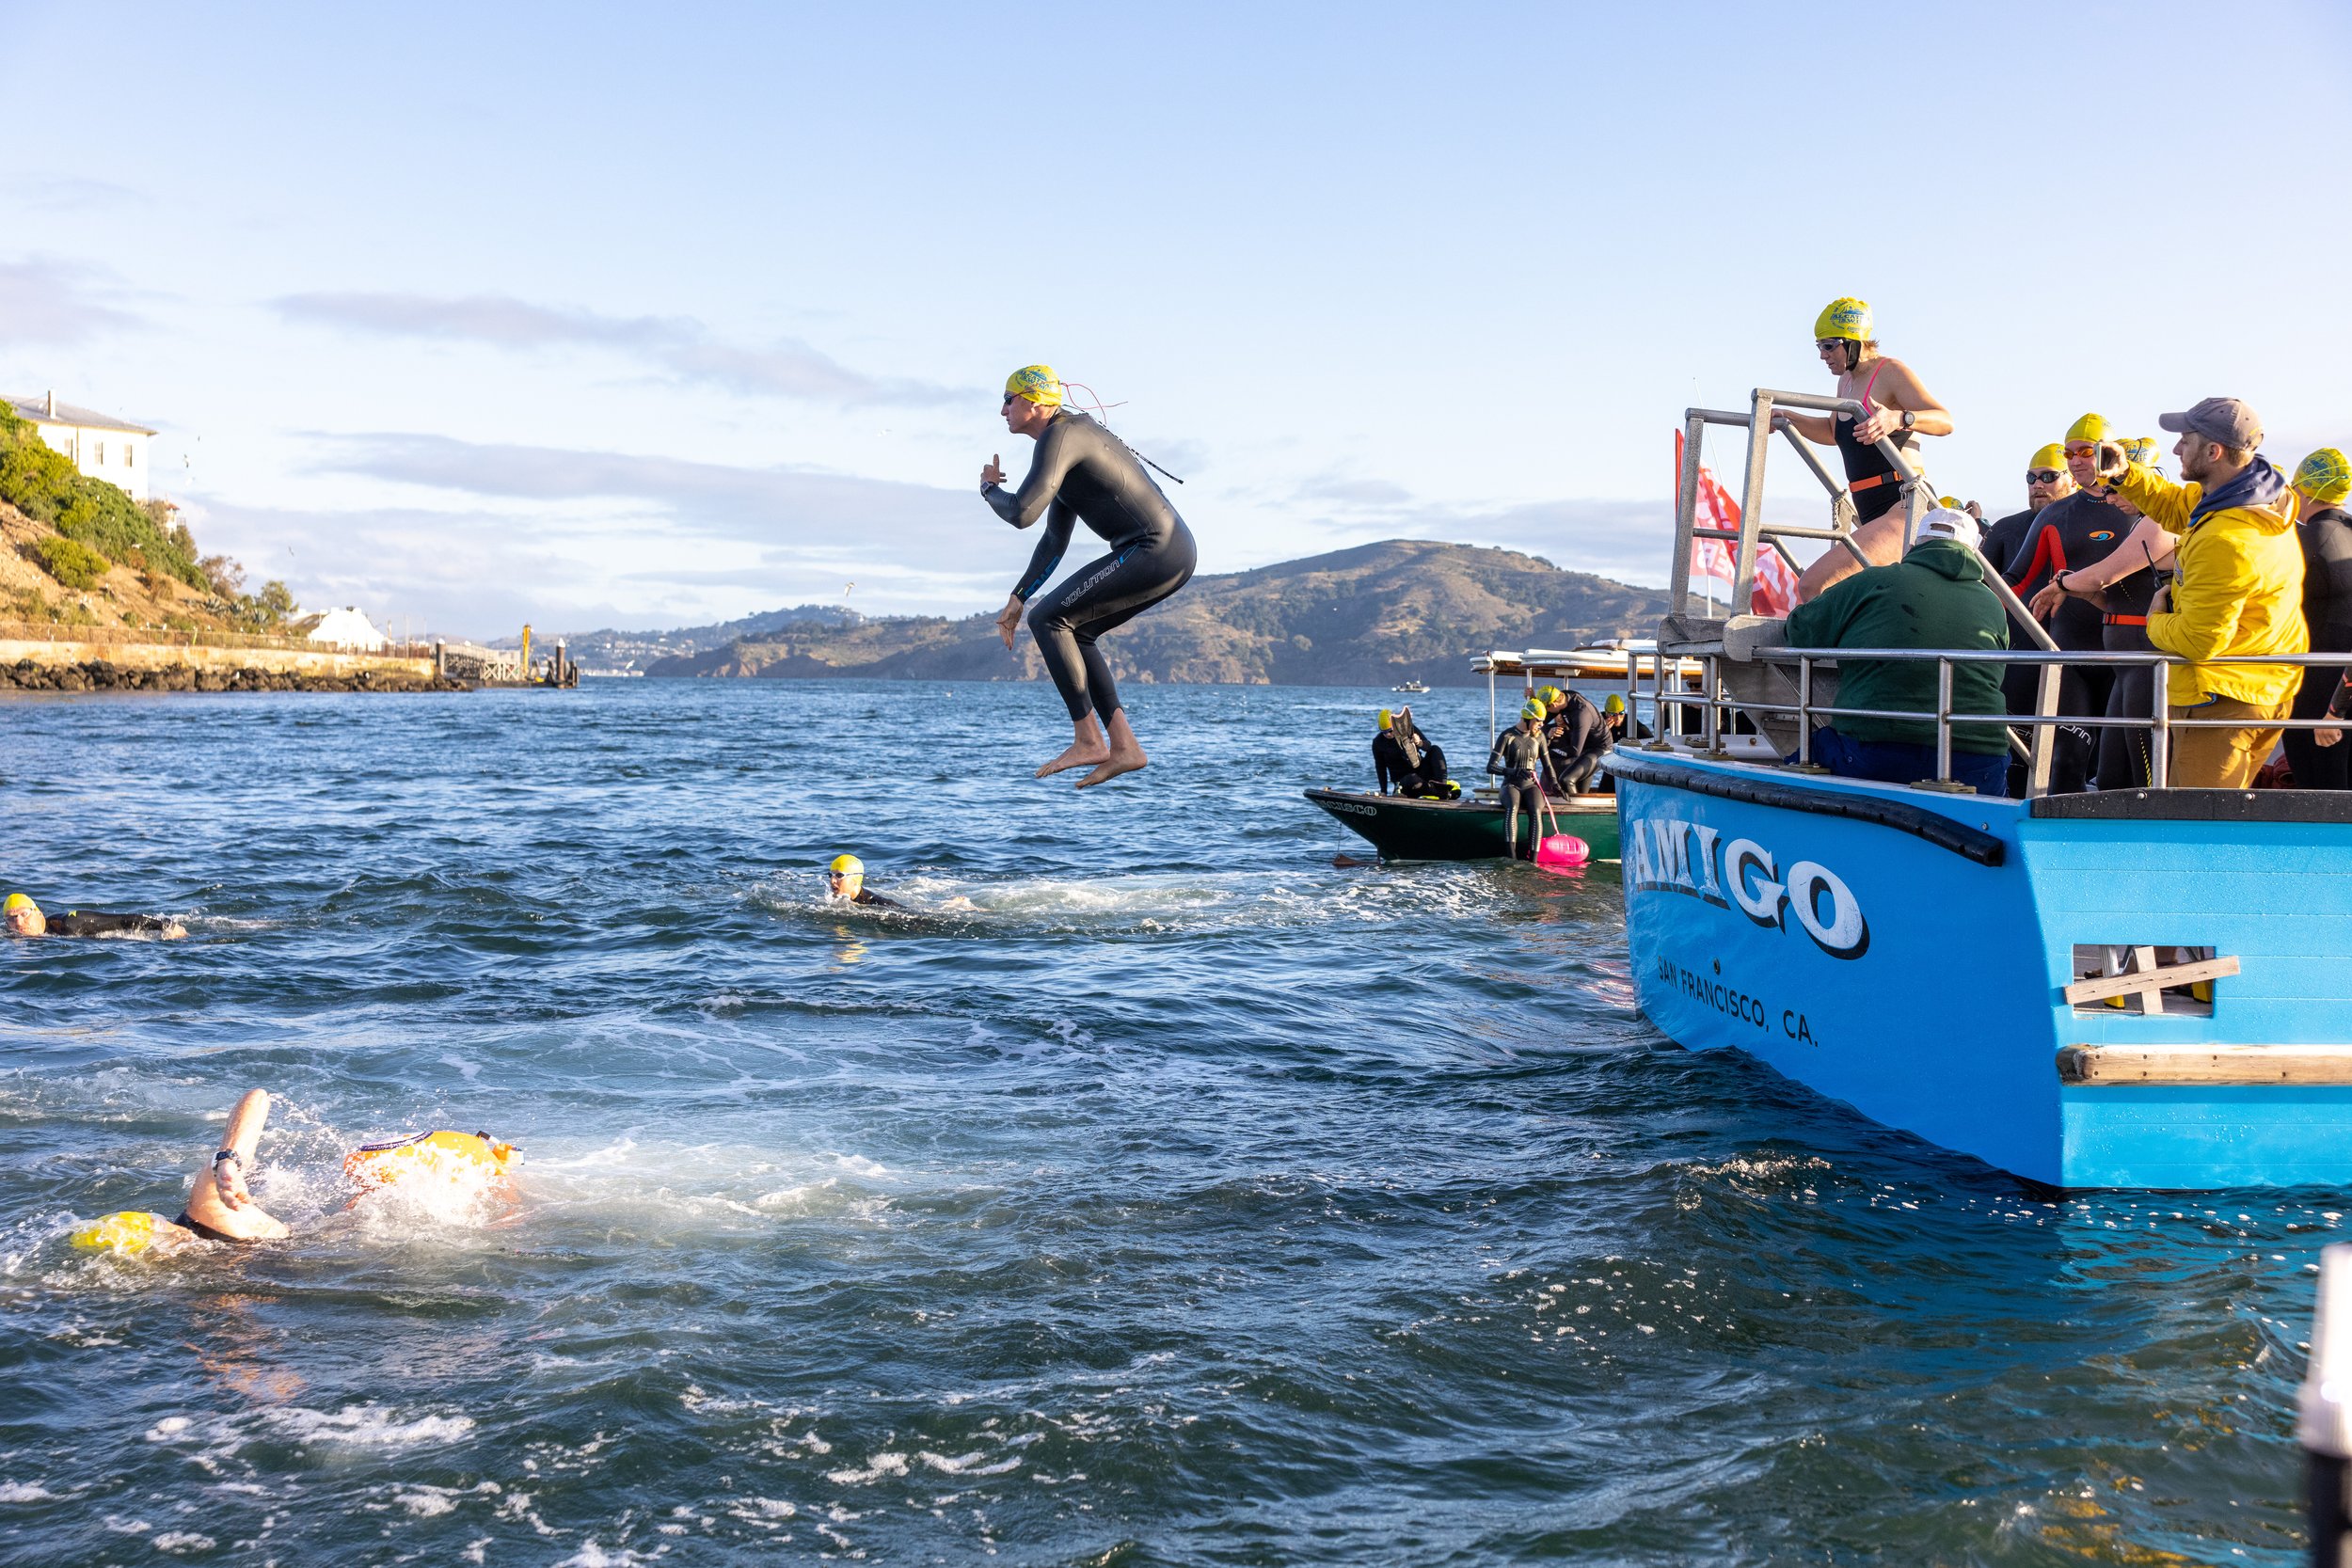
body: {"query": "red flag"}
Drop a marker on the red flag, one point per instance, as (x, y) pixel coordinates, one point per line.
(1775, 589)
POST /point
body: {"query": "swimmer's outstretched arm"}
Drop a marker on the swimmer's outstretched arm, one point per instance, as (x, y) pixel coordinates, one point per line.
(220, 1200)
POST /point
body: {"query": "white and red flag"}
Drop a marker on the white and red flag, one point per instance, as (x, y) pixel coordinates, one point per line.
(1775, 589)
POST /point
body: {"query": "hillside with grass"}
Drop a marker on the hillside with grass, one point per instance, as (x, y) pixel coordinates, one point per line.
(1374, 615)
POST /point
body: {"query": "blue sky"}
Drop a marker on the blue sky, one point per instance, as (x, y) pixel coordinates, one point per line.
(645, 316)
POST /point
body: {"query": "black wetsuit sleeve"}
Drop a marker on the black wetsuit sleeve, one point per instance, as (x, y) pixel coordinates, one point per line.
(1494, 758)
(1059, 520)
(1383, 749)
(80, 922)
(1058, 450)
(876, 901)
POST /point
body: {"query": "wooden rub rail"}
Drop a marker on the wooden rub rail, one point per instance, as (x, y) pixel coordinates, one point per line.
(2107, 1066)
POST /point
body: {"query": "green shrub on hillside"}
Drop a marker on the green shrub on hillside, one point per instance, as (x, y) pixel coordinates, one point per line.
(70, 561)
(43, 483)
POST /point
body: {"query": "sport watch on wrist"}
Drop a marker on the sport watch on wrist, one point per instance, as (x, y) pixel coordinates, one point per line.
(1910, 419)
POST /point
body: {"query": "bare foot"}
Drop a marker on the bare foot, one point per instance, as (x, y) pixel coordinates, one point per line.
(1116, 764)
(1079, 755)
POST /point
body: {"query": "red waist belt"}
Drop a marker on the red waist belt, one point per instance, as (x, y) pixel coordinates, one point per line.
(2127, 620)
(1870, 483)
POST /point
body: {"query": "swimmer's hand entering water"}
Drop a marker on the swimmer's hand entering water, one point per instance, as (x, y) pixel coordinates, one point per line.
(1009, 619)
(993, 474)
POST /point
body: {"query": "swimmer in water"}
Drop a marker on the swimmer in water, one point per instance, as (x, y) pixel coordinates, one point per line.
(23, 918)
(220, 1208)
(1083, 473)
(845, 882)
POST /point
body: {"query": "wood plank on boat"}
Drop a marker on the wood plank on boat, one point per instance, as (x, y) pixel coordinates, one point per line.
(2151, 979)
(2124, 1065)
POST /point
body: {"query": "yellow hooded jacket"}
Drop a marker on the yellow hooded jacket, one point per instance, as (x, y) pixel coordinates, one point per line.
(2240, 589)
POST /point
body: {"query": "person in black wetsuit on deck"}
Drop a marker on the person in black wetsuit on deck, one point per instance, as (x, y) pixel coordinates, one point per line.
(1083, 473)
(23, 918)
(1521, 763)
(2102, 560)
(1578, 736)
(2322, 481)
(2047, 479)
(1898, 407)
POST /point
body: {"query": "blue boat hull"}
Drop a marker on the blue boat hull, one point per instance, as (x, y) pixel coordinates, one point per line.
(1915, 972)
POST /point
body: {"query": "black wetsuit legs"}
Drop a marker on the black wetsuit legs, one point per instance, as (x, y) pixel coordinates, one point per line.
(2317, 767)
(1100, 598)
(2123, 752)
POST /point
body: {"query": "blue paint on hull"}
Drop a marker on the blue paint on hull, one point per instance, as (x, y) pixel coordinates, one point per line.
(1924, 989)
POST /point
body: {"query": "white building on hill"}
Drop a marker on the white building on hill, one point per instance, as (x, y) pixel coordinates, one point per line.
(101, 445)
(345, 629)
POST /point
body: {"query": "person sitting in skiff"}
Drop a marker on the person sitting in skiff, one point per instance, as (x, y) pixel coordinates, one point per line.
(1934, 597)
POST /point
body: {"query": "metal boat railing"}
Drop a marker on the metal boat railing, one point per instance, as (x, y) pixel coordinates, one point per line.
(2158, 720)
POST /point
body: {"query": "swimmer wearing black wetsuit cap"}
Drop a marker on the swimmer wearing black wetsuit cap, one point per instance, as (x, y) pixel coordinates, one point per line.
(1083, 473)
(23, 918)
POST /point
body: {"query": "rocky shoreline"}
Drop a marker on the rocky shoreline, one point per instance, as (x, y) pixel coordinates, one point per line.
(99, 676)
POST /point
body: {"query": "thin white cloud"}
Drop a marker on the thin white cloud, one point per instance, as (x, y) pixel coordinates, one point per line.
(678, 346)
(50, 301)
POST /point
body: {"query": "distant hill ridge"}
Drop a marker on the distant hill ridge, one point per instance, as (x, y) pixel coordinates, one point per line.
(1374, 615)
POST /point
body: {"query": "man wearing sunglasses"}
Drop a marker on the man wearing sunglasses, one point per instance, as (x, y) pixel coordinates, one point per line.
(1084, 473)
(2047, 479)
(1896, 406)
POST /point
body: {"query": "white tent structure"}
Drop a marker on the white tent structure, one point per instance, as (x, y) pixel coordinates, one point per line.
(347, 628)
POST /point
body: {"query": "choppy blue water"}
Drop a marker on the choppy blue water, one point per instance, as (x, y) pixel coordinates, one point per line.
(1169, 1196)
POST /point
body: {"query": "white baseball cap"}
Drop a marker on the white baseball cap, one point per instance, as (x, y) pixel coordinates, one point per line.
(1945, 523)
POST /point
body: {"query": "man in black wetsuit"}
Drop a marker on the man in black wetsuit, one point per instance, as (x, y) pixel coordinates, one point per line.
(845, 879)
(1083, 473)
(23, 918)
(1578, 736)
(2047, 479)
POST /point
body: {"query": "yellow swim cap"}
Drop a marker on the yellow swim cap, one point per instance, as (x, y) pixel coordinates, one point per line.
(447, 1154)
(2090, 427)
(2325, 476)
(2051, 457)
(1532, 710)
(1843, 318)
(2143, 449)
(18, 901)
(1951, 503)
(849, 866)
(128, 1231)
(1038, 382)
(1614, 704)
(1549, 695)
(1387, 720)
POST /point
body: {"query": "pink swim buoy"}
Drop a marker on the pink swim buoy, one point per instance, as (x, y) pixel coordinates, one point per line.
(1561, 851)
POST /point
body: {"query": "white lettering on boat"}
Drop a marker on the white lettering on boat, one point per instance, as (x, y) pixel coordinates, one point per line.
(1665, 854)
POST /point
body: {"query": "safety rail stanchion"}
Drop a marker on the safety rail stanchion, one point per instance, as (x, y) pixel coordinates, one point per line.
(1942, 721)
(1804, 710)
(2160, 728)
(1710, 692)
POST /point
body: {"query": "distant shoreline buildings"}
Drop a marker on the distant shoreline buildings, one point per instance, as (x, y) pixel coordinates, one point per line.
(102, 446)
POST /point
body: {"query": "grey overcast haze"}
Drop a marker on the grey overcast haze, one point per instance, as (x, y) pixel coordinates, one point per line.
(587, 316)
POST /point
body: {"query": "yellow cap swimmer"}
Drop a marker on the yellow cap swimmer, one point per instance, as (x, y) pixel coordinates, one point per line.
(1036, 383)
(1387, 720)
(1614, 704)
(129, 1231)
(2325, 476)
(18, 901)
(2051, 457)
(1843, 318)
(450, 1155)
(2090, 428)
(1532, 710)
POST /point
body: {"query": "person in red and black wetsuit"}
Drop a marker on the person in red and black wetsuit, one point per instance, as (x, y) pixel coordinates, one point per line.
(2047, 479)
(2095, 569)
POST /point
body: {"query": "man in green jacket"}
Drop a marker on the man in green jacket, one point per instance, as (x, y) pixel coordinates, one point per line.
(1934, 597)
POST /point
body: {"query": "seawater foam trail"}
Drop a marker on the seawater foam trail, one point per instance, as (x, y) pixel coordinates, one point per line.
(681, 1189)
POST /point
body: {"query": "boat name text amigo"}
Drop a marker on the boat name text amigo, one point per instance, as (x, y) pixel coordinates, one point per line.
(1666, 854)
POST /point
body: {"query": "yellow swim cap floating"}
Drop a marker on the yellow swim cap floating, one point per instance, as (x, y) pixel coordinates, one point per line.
(2325, 476)
(1843, 318)
(2090, 427)
(2051, 457)
(1038, 382)
(450, 1155)
(127, 1231)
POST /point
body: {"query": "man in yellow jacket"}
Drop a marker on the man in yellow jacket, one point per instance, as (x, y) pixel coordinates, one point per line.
(2239, 591)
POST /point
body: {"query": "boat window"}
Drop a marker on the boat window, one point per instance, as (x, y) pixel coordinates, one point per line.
(2096, 961)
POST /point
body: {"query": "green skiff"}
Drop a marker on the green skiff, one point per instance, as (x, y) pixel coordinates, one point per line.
(1464, 829)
